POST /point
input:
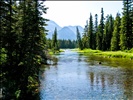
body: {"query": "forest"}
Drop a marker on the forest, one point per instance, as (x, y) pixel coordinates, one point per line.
(24, 46)
(111, 34)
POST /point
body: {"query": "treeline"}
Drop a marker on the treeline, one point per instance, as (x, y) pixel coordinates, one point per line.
(68, 44)
(55, 44)
(23, 45)
(63, 44)
(111, 33)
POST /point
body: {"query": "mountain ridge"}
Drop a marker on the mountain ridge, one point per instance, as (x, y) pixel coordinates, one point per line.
(66, 32)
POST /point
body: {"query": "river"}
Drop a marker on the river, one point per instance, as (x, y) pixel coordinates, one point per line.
(80, 77)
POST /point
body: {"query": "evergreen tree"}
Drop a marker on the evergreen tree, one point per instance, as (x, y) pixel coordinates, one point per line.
(79, 39)
(126, 36)
(99, 40)
(55, 41)
(85, 36)
(108, 30)
(90, 33)
(116, 33)
(95, 31)
(105, 35)
(49, 44)
(23, 40)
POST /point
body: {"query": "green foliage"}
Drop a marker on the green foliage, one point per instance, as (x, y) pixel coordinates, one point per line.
(67, 44)
(116, 34)
(108, 30)
(23, 44)
(123, 37)
(2, 55)
(79, 39)
(85, 37)
(95, 32)
(55, 45)
(126, 36)
(63, 44)
(90, 32)
(100, 40)
(131, 50)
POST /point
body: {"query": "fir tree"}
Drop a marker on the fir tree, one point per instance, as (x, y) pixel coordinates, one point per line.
(85, 36)
(116, 34)
(23, 40)
(95, 31)
(79, 39)
(55, 45)
(100, 32)
(126, 36)
(90, 32)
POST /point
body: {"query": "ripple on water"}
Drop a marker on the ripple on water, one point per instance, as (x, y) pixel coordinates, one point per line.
(76, 77)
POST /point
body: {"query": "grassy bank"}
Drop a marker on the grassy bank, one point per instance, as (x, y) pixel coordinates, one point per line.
(51, 52)
(109, 54)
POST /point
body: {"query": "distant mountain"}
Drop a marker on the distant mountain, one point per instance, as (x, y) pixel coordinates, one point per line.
(73, 28)
(67, 32)
(51, 27)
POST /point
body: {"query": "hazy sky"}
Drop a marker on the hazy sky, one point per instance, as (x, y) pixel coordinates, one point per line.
(66, 13)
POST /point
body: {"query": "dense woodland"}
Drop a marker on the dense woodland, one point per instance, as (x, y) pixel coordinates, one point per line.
(111, 33)
(63, 44)
(24, 44)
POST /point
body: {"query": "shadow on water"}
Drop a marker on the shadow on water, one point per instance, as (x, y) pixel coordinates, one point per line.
(79, 77)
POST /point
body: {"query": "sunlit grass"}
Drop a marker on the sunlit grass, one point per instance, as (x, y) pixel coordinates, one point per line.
(109, 54)
(61, 50)
(51, 52)
(116, 54)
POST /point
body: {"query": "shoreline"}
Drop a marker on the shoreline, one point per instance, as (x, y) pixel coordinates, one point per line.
(108, 54)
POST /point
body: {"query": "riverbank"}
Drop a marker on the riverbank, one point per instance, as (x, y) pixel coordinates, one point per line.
(109, 54)
(51, 52)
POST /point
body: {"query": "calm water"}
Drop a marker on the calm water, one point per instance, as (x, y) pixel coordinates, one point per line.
(79, 77)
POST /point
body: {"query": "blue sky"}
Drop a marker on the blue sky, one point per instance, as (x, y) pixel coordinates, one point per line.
(66, 13)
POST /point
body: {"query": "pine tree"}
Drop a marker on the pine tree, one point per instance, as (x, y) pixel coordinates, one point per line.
(116, 34)
(105, 35)
(100, 32)
(55, 41)
(23, 39)
(85, 36)
(95, 31)
(90, 32)
(110, 32)
(79, 39)
(126, 37)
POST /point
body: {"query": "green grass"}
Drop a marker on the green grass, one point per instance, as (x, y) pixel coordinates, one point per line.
(116, 54)
(109, 54)
(51, 52)
(61, 50)
(90, 51)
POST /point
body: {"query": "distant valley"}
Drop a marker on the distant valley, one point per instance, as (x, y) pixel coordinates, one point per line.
(66, 32)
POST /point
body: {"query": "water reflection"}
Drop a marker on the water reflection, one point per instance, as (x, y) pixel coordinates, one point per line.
(80, 77)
